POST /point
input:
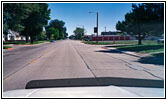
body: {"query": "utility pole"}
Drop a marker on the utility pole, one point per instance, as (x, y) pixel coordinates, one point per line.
(97, 28)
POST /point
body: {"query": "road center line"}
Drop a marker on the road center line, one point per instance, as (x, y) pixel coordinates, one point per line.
(33, 61)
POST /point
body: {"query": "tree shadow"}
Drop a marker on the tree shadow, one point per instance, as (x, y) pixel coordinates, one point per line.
(98, 81)
(110, 46)
(157, 59)
(116, 51)
(110, 51)
(140, 48)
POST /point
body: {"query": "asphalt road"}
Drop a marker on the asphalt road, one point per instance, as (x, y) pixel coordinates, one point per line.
(70, 59)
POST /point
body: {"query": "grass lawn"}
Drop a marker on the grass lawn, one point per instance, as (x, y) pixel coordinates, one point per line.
(129, 42)
(6, 47)
(99, 43)
(24, 43)
(151, 47)
(148, 46)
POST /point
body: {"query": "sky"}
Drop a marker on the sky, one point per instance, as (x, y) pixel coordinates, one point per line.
(77, 15)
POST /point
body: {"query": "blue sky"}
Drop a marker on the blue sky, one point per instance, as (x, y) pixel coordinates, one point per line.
(75, 14)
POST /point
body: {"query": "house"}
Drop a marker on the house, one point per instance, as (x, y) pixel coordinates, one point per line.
(12, 35)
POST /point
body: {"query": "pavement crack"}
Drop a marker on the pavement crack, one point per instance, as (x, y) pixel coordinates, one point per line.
(85, 62)
(142, 68)
(152, 74)
(130, 67)
(129, 64)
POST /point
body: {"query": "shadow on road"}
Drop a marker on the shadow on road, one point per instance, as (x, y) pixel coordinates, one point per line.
(101, 81)
(157, 59)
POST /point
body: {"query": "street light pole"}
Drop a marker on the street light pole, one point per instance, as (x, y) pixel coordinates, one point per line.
(97, 28)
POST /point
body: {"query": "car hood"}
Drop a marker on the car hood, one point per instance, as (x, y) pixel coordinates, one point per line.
(87, 92)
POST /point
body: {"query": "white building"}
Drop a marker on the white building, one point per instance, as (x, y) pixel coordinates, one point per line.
(12, 35)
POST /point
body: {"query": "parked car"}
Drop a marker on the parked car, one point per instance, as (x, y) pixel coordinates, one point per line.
(160, 41)
(51, 40)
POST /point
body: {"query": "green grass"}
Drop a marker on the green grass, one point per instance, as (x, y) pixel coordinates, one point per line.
(143, 48)
(127, 42)
(99, 43)
(13, 42)
(148, 46)
(24, 43)
(6, 47)
(37, 42)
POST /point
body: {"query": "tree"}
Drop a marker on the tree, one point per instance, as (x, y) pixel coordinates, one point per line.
(56, 34)
(72, 37)
(143, 20)
(36, 20)
(13, 15)
(60, 26)
(26, 18)
(40, 36)
(53, 33)
(79, 32)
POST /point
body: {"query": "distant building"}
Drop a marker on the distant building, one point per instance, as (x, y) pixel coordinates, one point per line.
(110, 33)
(109, 37)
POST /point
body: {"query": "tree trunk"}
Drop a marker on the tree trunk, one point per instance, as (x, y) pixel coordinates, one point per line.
(6, 38)
(32, 39)
(139, 36)
(139, 40)
(26, 38)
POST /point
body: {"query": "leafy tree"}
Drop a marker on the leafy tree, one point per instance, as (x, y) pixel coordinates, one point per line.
(60, 26)
(52, 37)
(27, 18)
(79, 32)
(143, 20)
(66, 35)
(40, 36)
(56, 34)
(36, 20)
(53, 33)
(71, 37)
(13, 15)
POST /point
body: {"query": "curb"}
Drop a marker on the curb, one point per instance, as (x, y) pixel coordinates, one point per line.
(9, 48)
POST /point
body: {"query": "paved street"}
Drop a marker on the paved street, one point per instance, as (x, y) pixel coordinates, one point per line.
(70, 59)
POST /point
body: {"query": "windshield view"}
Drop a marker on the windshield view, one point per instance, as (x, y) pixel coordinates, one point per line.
(83, 50)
